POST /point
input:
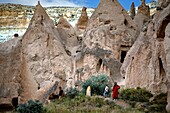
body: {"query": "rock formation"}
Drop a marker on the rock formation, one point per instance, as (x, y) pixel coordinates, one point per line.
(15, 18)
(109, 34)
(132, 10)
(68, 35)
(146, 64)
(11, 17)
(34, 66)
(163, 3)
(82, 22)
(10, 73)
(47, 61)
(110, 42)
(142, 15)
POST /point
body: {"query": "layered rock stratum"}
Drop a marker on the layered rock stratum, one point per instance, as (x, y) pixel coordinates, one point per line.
(15, 18)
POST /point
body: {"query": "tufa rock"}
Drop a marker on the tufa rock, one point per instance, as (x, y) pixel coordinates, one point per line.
(106, 37)
(10, 76)
(132, 10)
(43, 57)
(82, 22)
(142, 15)
(163, 3)
(147, 62)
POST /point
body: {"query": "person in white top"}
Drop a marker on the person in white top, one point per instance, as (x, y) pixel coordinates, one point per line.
(106, 91)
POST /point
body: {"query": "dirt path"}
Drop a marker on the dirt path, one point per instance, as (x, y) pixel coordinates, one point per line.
(122, 103)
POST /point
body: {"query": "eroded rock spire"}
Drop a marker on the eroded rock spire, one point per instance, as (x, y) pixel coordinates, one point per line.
(132, 10)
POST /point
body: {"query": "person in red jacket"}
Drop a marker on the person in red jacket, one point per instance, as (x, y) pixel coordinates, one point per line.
(115, 91)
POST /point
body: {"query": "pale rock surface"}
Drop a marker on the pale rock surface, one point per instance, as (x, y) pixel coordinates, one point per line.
(82, 22)
(43, 56)
(146, 63)
(10, 72)
(109, 31)
(167, 52)
(142, 15)
(132, 10)
(68, 35)
(163, 3)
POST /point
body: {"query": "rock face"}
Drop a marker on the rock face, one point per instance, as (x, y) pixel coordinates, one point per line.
(67, 34)
(167, 53)
(146, 64)
(10, 17)
(110, 42)
(163, 3)
(132, 10)
(47, 61)
(82, 22)
(106, 40)
(34, 66)
(10, 76)
(142, 15)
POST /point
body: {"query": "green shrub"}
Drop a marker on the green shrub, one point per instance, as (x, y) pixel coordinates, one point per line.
(160, 99)
(31, 107)
(72, 92)
(158, 104)
(97, 84)
(137, 95)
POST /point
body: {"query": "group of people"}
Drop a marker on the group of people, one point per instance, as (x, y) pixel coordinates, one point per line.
(115, 89)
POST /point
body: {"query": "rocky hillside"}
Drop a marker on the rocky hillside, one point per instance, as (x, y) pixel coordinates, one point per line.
(15, 18)
(131, 49)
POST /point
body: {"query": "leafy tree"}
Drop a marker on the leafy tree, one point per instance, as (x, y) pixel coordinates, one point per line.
(97, 84)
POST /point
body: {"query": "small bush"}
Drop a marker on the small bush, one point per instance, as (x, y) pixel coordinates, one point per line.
(31, 107)
(137, 95)
(72, 92)
(97, 84)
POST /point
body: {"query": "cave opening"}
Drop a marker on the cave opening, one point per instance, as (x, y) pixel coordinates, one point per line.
(161, 69)
(99, 65)
(15, 102)
(123, 55)
(161, 30)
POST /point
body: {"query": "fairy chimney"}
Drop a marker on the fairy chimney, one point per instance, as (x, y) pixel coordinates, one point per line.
(44, 60)
(132, 10)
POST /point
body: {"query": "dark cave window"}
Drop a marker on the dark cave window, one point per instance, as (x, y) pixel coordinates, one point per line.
(99, 65)
(107, 22)
(161, 69)
(125, 22)
(16, 35)
(15, 102)
(123, 55)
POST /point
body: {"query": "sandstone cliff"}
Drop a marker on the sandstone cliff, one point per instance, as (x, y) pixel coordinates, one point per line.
(146, 64)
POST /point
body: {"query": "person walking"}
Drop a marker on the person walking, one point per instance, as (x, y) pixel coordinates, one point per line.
(115, 91)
